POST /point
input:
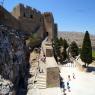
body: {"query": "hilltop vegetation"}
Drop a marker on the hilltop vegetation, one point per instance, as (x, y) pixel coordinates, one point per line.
(76, 36)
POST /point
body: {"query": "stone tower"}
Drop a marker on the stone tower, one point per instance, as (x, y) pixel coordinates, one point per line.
(18, 11)
(49, 25)
(30, 19)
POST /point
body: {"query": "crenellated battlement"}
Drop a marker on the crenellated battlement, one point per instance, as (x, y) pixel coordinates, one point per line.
(26, 18)
(24, 11)
(47, 13)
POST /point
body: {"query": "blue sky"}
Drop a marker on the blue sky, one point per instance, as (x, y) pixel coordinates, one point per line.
(70, 15)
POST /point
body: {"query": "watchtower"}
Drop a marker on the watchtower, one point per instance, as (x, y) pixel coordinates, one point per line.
(49, 25)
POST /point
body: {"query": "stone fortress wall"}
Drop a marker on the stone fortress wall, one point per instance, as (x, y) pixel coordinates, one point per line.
(30, 20)
(7, 19)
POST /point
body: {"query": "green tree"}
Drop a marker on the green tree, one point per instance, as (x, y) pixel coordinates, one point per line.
(63, 46)
(59, 48)
(56, 48)
(86, 51)
(74, 50)
(63, 43)
(64, 55)
(61, 40)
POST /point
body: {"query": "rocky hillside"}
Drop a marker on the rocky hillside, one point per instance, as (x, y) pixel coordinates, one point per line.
(75, 36)
(13, 59)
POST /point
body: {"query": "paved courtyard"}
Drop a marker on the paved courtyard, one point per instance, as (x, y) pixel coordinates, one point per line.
(75, 82)
(83, 84)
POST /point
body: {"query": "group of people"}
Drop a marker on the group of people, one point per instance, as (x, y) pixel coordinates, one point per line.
(41, 59)
(67, 84)
(73, 75)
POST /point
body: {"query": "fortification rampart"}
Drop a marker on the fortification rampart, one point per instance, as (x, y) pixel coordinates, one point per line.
(49, 24)
(30, 20)
(7, 19)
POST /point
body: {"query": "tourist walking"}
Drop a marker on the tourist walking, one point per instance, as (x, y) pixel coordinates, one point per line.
(44, 58)
(69, 77)
(68, 89)
(67, 83)
(68, 86)
(73, 76)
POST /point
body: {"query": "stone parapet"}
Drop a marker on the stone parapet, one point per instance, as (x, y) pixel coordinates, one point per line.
(28, 19)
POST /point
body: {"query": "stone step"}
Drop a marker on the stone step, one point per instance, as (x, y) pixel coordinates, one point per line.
(41, 86)
(41, 77)
(41, 82)
(38, 85)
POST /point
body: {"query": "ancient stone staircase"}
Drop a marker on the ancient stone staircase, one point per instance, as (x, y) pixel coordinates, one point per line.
(38, 80)
(41, 81)
(41, 77)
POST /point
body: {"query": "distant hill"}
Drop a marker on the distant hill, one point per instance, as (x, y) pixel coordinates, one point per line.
(76, 36)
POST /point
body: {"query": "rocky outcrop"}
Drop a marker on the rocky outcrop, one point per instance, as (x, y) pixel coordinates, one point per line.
(13, 59)
(6, 87)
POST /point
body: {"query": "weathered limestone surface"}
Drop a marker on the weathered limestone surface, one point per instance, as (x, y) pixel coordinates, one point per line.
(12, 59)
(6, 87)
